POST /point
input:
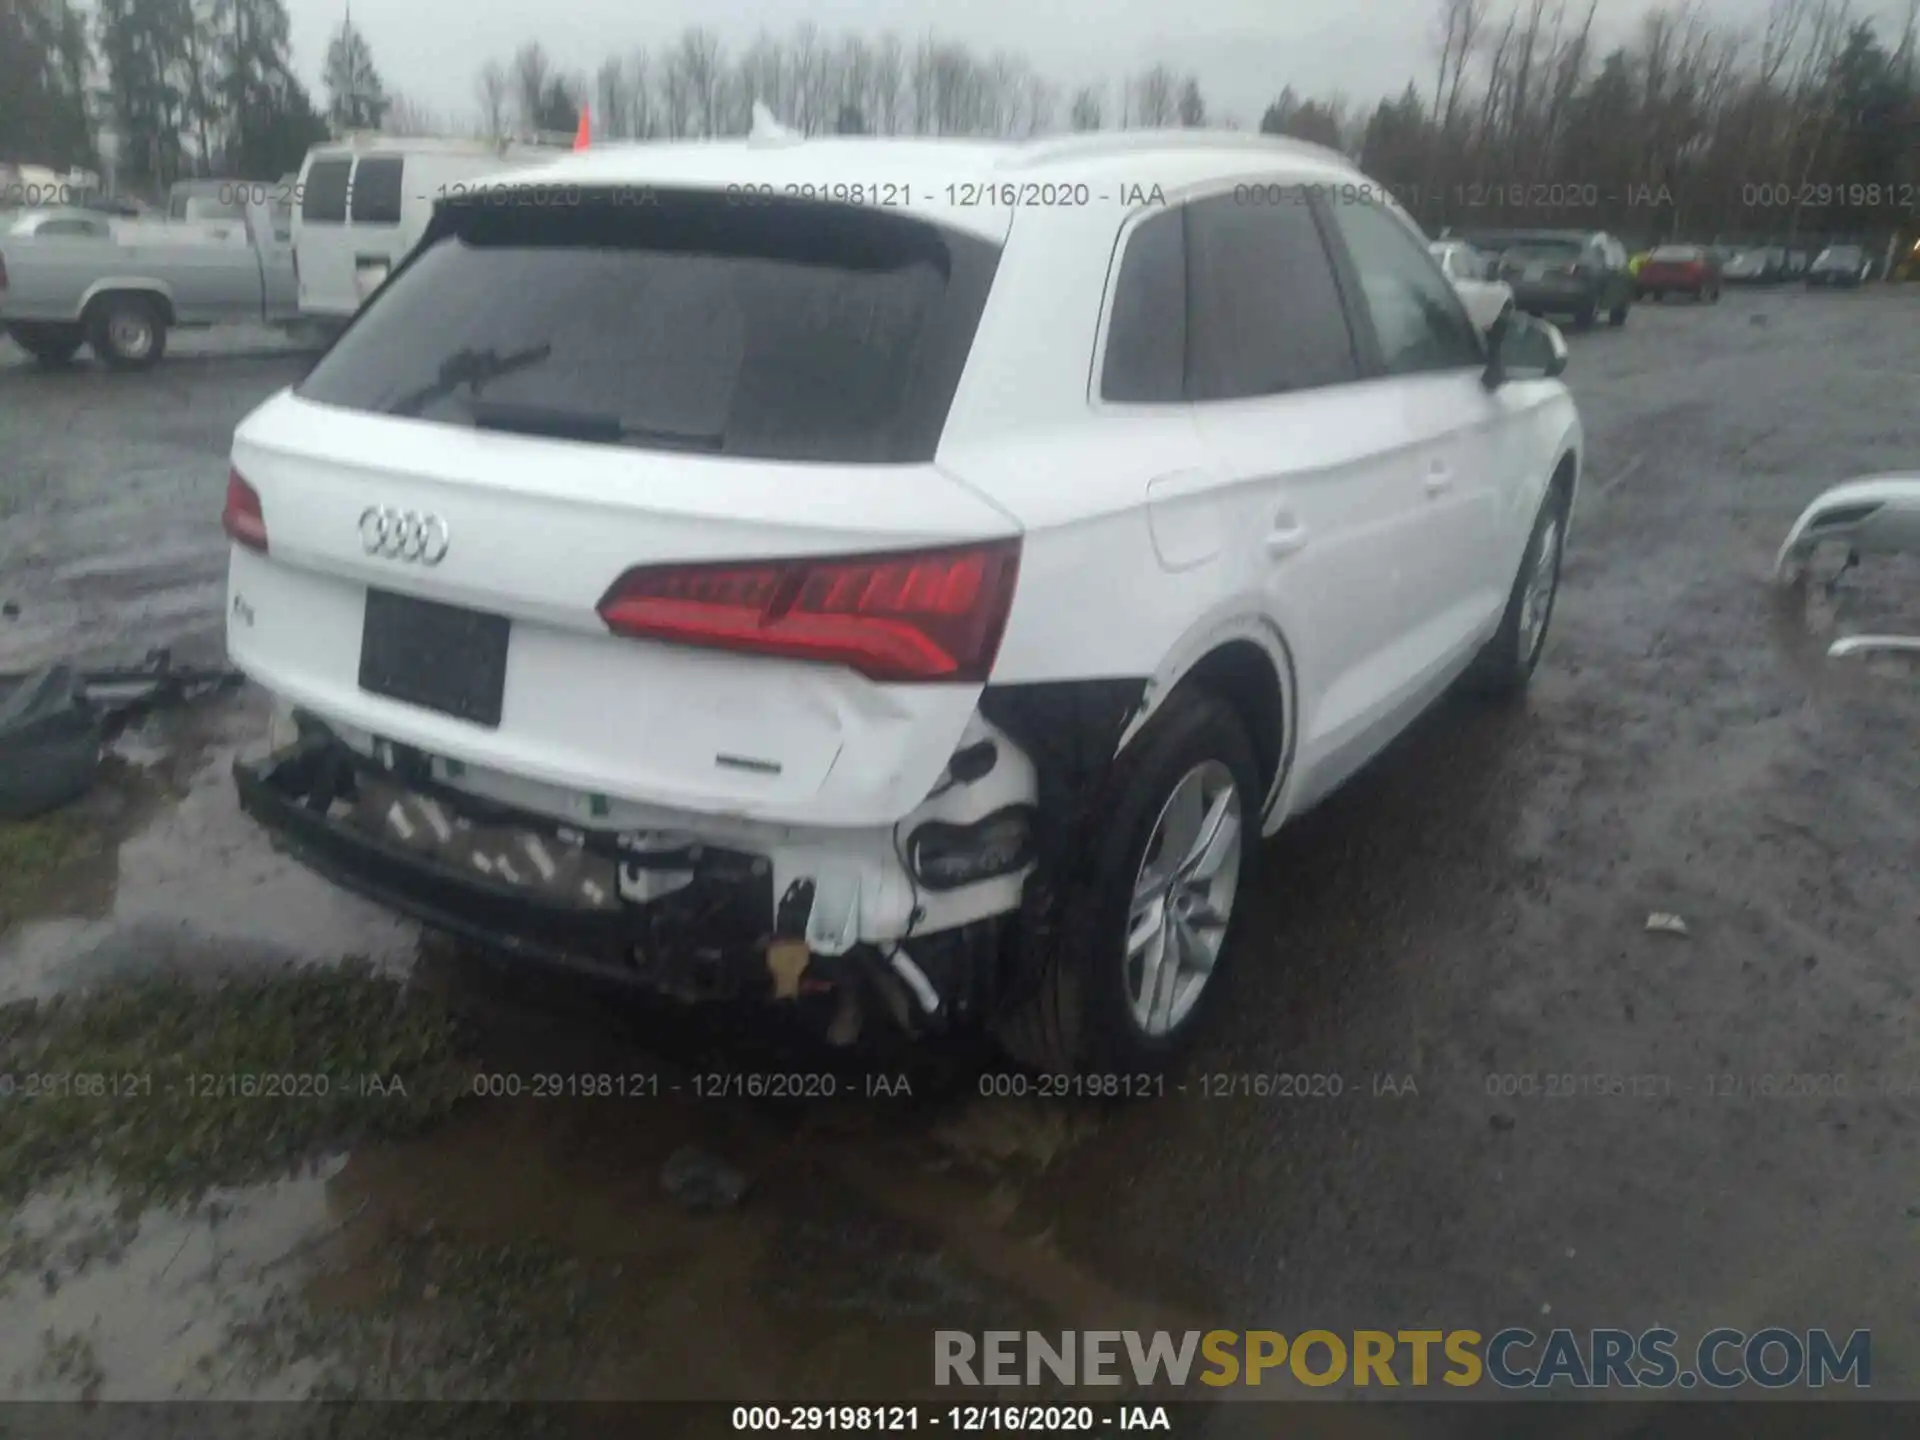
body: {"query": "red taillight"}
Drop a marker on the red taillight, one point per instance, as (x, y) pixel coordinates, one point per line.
(243, 518)
(924, 615)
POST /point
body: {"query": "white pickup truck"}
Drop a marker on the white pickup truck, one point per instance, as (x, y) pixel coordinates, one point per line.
(70, 277)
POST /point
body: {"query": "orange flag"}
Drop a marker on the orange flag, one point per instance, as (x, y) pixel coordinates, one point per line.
(581, 135)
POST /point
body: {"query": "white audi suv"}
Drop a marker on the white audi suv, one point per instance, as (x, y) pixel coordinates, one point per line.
(900, 579)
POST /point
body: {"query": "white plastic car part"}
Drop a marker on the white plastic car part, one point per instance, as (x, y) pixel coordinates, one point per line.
(1879, 513)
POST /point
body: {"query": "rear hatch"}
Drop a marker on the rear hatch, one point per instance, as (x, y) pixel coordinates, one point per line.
(639, 500)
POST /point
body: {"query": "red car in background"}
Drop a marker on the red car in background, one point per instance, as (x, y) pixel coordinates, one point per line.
(1680, 269)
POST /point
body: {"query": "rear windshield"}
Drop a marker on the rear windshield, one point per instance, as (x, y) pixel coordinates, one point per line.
(794, 332)
(325, 196)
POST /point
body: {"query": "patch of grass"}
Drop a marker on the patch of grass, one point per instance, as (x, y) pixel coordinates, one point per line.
(164, 1087)
(71, 1359)
(31, 850)
(446, 1319)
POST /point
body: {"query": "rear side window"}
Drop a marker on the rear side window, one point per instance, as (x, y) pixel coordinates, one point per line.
(325, 196)
(792, 332)
(1146, 356)
(376, 190)
(1264, 315)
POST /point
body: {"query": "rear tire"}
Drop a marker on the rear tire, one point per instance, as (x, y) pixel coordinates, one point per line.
(128, 331)
(50, 343)
(1506, 663)
(1091, 1007)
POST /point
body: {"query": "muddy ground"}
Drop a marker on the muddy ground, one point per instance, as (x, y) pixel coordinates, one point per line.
(1472, 907)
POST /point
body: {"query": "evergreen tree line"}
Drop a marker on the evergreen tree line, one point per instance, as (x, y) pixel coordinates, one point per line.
(1803, 120)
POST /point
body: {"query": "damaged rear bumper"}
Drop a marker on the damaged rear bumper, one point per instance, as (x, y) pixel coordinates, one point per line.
(678, 916)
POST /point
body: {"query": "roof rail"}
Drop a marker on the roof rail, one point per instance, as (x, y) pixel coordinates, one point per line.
(382, 139)
(1096, 144)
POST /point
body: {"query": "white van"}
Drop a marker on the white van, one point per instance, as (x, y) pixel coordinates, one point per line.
(362, 203)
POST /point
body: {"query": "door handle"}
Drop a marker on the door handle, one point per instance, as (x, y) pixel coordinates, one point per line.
(1439, 479)
(1286, 537)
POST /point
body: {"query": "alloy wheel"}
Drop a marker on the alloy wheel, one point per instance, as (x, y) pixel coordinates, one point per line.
(1183, 897)
(1536, 600)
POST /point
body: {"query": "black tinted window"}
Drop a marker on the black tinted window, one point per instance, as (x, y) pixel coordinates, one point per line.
(1264, 313)
(1147, 333)
(325, 196)
(796, 332)
(1416, 313)
(376, 191)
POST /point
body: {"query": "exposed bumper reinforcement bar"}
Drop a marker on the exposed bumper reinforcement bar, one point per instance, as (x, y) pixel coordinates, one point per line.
(322, 802)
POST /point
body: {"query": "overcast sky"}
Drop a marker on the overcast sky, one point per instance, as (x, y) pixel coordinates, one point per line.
(1244, 51)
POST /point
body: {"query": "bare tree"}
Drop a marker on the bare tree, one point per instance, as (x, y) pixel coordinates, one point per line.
(1153, 105)
(1192, 105)
(490, 88)
(888, 77)
(1085, 112)
(804, 72)
(699, 63)
(1461, 22)
(406, 116)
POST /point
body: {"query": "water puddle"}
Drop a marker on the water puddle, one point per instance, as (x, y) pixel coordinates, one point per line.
(157, 867)
(99, 1305)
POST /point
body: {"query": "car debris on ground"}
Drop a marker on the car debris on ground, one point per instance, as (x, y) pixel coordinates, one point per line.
(54, 720)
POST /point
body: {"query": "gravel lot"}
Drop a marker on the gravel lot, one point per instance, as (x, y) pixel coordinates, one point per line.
(1474, 906)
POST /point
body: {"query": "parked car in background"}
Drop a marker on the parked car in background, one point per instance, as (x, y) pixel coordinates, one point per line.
(362, 203)
(1578, 273)
(77, 277)
(1486, 299)
(1680, 270)
(1763, 265)
(1840, 265)
(907, 617)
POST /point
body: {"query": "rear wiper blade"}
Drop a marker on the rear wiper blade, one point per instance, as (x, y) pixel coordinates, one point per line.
(523, 418)
(472, 368)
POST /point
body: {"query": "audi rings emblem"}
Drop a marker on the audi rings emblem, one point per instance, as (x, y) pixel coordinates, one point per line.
(404, 535)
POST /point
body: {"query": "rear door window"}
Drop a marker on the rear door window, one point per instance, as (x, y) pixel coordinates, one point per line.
(793, 332)
(376, 190)
(325, 197)
(1264, 315)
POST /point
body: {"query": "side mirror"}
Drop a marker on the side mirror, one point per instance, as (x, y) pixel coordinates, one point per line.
(1519, 347)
